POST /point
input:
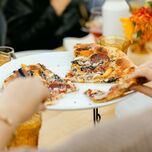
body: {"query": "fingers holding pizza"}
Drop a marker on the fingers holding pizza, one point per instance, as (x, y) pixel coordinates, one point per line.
(126, 85)
(143, 89)
(143, 71)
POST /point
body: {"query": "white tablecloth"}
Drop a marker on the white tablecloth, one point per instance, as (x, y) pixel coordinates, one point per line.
(135, 104)
(26, 53)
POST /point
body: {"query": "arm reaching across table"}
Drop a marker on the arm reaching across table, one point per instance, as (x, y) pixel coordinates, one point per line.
(18, 102)
(145, 70)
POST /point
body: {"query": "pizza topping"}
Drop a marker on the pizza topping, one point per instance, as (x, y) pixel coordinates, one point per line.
(99, 57)
(101, 49)
(105, 64)
(110, 80)
(91, 46)
(31, 73)
(75, 62)
(81, 80)
(100, 69)
(87, 50)
(56, 86)
(70, 74)
(42, 74)
(20, 71)
(108, 72)
(96, 94)
(81, 61)
(81, 47)
(57, 78)
(86, 53)
(87, 69)
(100, 96)
(123, 63)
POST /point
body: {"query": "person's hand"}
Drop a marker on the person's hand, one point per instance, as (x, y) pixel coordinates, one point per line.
(145, 70)
(59, 5)
(22, 98)
(143, 89)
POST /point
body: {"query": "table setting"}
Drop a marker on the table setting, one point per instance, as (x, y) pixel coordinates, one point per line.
(73, 101)
(121, 37)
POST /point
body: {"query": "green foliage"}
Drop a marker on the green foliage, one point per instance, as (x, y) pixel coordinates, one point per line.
(139, 33)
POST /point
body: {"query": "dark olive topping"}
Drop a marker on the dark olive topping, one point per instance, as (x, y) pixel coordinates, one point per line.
(56, 77)
(91, 67)
(21, 72)
(74, 70)
(42, 74)
(75, 62)
(87, 68)
(110, 80)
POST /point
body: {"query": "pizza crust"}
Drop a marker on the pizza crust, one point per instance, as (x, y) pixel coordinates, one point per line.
(122, 88)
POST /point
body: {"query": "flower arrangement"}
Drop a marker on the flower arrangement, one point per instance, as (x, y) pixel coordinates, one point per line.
(138, 28)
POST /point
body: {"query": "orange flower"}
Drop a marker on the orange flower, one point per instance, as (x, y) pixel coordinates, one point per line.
(128, 27)
(141, 20)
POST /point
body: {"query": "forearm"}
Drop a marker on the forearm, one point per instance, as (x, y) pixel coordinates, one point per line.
(16, 107)
(8, 124)
(6, 133)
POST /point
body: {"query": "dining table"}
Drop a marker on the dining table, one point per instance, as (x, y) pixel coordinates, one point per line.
(57, 126)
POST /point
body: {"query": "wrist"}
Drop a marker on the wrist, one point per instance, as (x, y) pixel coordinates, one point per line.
(10, 114)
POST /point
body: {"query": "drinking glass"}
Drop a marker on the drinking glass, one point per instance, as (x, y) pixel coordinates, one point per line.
(115, 41)
(95, 22)
(135, 4)
(6, 54)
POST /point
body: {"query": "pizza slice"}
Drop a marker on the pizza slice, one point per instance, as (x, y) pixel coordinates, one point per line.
(119, 90)
(87, 50)
(57, 86)
(105, 64)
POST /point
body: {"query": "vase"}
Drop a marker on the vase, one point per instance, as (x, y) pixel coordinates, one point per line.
(139, 54)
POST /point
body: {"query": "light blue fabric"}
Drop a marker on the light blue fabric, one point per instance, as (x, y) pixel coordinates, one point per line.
(97, 3)
(93, 3)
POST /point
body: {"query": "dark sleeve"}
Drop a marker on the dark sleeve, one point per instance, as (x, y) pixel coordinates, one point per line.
(29, 20)
(72, 17)
(2, 3)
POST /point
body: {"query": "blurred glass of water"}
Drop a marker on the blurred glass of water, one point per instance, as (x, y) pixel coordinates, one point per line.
(135, 4)
(93, 3)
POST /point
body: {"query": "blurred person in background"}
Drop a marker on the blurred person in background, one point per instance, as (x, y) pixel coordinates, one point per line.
(42, 24)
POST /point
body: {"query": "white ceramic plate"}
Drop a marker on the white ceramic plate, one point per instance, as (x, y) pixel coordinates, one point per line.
(59, 62)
